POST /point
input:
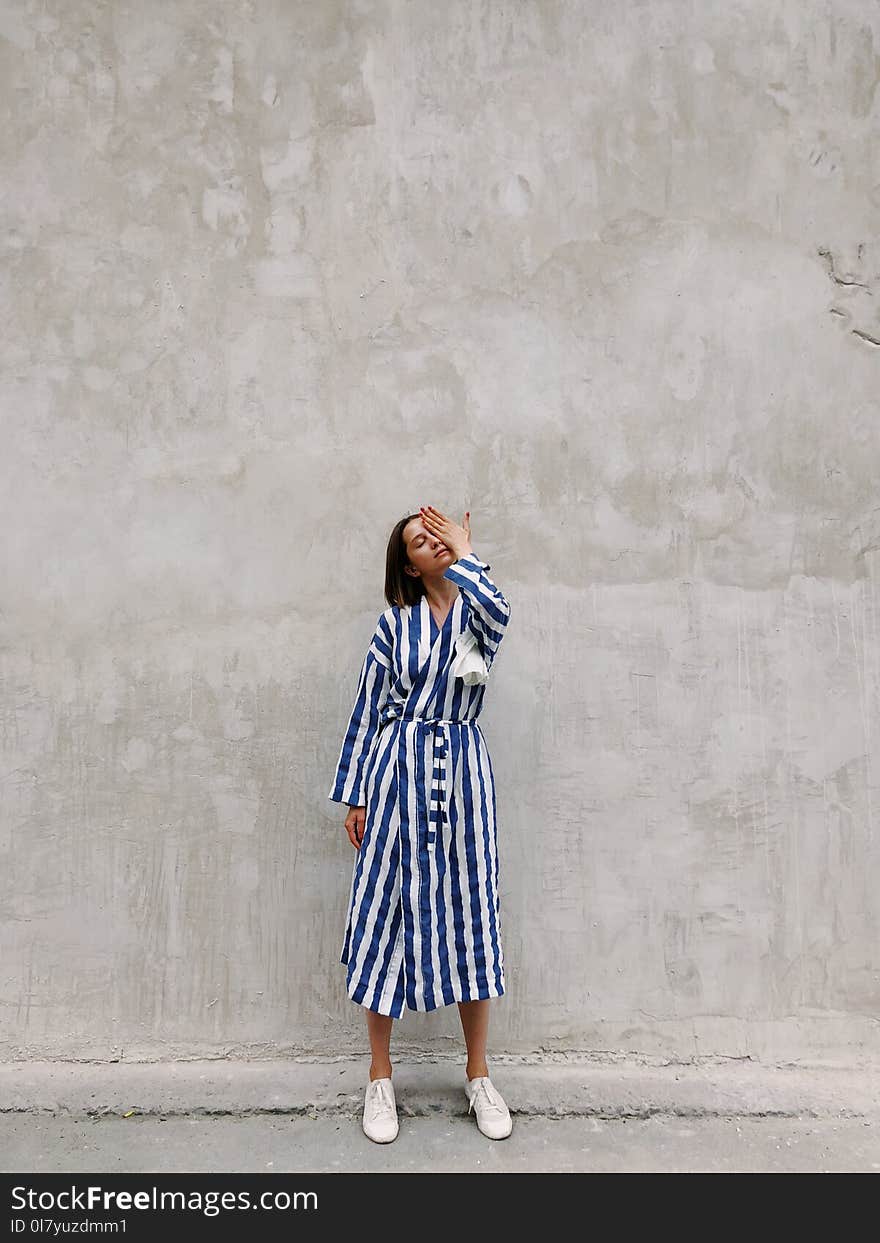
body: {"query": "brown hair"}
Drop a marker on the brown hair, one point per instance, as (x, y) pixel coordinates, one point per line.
(400, 588)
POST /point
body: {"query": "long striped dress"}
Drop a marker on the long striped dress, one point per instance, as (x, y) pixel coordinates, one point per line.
(423, 927)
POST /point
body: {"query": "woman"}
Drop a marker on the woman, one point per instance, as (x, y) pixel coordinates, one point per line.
(423, 926)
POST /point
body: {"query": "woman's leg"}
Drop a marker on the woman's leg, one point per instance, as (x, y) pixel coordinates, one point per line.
(475, 1025)
(379, 1027)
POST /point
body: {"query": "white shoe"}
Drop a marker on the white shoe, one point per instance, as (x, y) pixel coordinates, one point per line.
(380, 1111)
(493, 1116)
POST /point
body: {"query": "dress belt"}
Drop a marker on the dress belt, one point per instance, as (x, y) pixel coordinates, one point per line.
(433, 723)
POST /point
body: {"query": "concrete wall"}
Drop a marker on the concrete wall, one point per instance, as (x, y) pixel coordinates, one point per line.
(605, 274)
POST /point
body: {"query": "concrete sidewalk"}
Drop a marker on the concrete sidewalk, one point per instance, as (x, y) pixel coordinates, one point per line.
(276, 1116)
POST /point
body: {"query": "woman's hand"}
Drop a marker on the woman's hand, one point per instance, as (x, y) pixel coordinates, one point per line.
(456, 538)
(354, 825)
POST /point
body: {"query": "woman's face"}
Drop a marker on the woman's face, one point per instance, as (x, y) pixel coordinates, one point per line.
(428, 554)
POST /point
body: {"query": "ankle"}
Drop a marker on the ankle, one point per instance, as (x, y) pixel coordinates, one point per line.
(380, 1070)
(476, 1071)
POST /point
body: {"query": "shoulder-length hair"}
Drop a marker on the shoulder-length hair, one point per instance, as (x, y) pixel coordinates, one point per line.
(400, 589)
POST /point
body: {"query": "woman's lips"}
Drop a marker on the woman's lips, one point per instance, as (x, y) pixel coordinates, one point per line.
(440, 553)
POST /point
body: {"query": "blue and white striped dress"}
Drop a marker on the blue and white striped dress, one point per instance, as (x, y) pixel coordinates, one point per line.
(423, 927)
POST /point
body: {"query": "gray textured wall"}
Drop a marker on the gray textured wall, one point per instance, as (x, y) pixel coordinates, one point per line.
(605, 274)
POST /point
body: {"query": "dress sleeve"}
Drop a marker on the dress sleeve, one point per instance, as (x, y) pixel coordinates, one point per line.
(349, 782)
(489, 608)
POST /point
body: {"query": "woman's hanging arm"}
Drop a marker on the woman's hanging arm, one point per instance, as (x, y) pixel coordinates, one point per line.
(349, 782)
